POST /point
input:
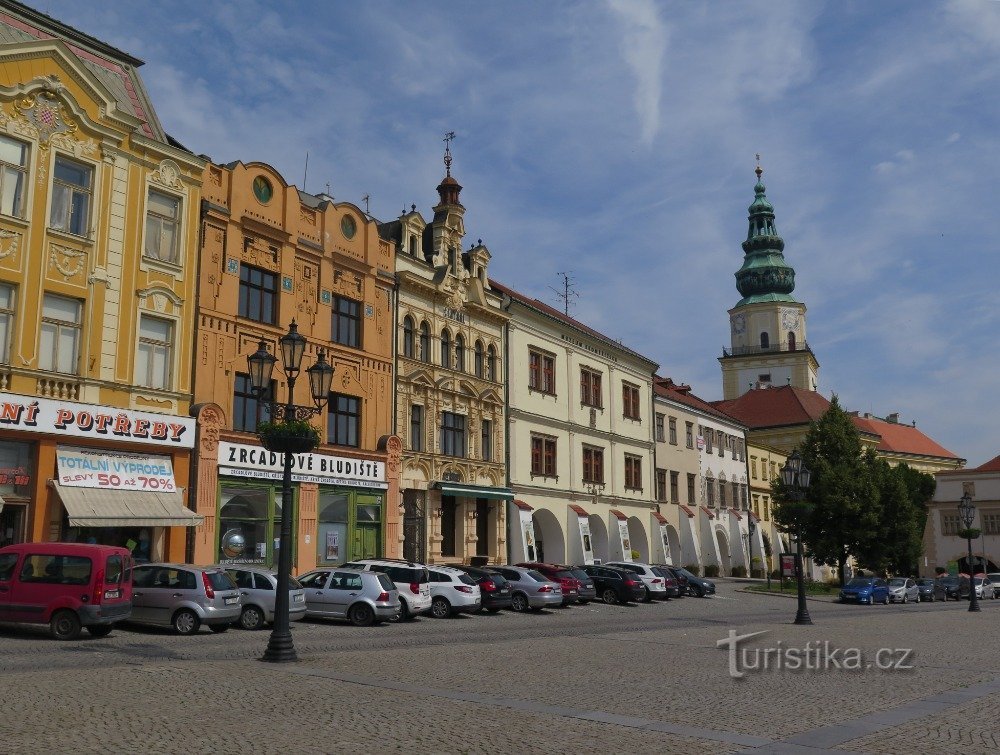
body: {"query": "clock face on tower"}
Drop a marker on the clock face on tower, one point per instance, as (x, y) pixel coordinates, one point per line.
(739, 324)
(789, 319)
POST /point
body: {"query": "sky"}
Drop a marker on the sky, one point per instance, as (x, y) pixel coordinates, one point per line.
(615, 140)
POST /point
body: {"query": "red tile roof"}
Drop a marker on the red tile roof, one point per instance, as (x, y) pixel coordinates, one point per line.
(618, 514)
(993, 465)
(710, 514)
(687, 511)
(660, 518)
(775, 407)
(901, 439)
(682, 394)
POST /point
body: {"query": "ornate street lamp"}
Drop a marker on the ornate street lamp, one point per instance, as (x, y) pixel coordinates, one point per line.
(288, 433)
(796, 478)
(967, 511)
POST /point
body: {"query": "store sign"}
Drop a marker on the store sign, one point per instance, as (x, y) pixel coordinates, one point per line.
(52, 417)
(90, 468)
(14, 476)
(241, 460)
(788, 562)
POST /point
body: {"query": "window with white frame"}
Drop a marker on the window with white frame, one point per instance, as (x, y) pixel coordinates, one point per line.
(153, 357)
(59, 344)
(6, 321)
(72, 185)
(13, 176)
(949, 524)
(163, 213)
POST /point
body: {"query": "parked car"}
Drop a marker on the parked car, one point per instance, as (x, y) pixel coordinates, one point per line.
(493, 587)
(995, 579)
(258, 589)
(184, 597)
(903, 590)
(949, 587)
(615, 585)
(452, 592)
(561, 574)
(865, 590)
(926, 587)
(697, 585)
(529, 589)
(682, 581)
(652, 582)
(69, 586)
(362, 597)
(670, 585)
(586, 591)
(411, 580)
(985, 589)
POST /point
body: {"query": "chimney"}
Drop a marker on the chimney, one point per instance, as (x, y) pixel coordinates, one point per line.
(893, 418)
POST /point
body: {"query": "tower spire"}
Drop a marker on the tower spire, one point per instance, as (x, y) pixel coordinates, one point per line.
(764, 276)
(449, 188)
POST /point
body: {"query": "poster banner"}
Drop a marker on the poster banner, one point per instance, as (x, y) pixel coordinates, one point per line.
(665, 539)
(109, 470)
(788, 561)
(588, 546)
(332, 545)
(626, 543)
(528, 534)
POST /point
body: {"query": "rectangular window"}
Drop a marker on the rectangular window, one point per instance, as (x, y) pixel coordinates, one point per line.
(258, 294)
(153, 359)
(541, 372)
(661, 484)
(593, 465)
(71, 188)
(487, 440)
(633, 472)
(763, 469)
(163, 217)
(721, 438)
(248, 408)
(13, 176)
(416, 427)
(708, 436)
(692, 489)
(991, 524)
(60, 336)
(672, 425)
(710, 492)
(689, 434)
(675, 495)
(453, 434)
(737, 500)
(343, 421)
(766, 505)
(543, 456)
(590, 388)
(950, 524)
(722, 494)
(660, 428)
(753, 467)
(6, 321)
(346, 322)
(630, 401)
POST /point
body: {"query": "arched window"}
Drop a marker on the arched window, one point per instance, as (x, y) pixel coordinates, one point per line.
(479, 359)
(791, 341)
(445, 348)
(408, 337)
(425, 342)
(459, 353)
(491, 363)
(765, 342)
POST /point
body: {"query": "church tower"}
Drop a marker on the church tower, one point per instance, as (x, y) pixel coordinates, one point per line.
(767, 326)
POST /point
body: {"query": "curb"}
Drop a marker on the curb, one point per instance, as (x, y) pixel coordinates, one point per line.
(794, 596)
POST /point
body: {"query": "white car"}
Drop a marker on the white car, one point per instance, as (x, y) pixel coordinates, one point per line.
(985, 588)
(903, 590)
(412, 580)
(452, 592)
(653, 582)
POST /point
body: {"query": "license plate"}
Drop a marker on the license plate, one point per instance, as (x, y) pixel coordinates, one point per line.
(505, 590)
(112, 594)
(570, 592)
(300, 598)
(232, 601)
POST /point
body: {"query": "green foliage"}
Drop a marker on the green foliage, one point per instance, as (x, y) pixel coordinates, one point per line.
(635, 555)
(290, 427)
(693, 568)
(739, 571)
(293, 436)
(712, 570)
(767, 545)
(970, 534)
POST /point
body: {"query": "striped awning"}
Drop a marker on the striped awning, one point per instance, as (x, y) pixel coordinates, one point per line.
(95, 507)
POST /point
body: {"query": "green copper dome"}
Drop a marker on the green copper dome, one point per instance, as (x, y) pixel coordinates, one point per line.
(765, 276)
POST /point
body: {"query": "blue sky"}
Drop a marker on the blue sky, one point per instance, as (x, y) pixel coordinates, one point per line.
(616, 140)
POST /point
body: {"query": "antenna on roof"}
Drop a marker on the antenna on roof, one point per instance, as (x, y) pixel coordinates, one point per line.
(305, 173)
(565, 296)
(365, 199)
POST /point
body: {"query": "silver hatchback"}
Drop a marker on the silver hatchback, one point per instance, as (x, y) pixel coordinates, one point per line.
(362, 597)
(258, 590)
(184, 597)
(530, 589)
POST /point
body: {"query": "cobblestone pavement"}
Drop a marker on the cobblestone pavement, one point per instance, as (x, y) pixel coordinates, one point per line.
(646, 678)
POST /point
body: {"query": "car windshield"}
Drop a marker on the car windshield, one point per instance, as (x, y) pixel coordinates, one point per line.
(293, 583)
(537, 576)
(859, 583)
(686, 573)
(465, 579)
(897, 582)
(221, 581)
(581, 575)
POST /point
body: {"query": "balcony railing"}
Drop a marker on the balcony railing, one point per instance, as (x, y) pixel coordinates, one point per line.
(59, 388)
(739, 351)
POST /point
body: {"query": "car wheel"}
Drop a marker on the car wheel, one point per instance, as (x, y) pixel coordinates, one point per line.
(700, 592)
(252, 618)
(492, 610)
(440, 608)
(609, 596)
(186, 622)
(918, 599)
(905, 599)
(519, 602)
(361, 615)
(885, 600)
(404, 611)
(65, 625)
(647, 596)
(219, 628)
(99, 630)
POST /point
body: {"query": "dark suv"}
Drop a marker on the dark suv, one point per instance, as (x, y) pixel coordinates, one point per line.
(494, 587)
(615, 585)
(561, 575)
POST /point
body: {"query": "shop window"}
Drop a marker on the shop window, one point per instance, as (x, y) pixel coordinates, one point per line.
(331, 524)
(482, 527)
(71, 190)
(162, 227)
(249, 522)
(59, 345)
(7, 300)
(153, 357)
(346, 328)
(453, 434)
(344, 420)
(248, 408)
(258, 294)
(13, 176)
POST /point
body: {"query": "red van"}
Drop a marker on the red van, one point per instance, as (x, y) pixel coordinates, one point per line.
(67, 586)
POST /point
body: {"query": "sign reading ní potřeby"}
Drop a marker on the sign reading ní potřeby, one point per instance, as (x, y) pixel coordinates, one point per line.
(55, 417)
(109, 470)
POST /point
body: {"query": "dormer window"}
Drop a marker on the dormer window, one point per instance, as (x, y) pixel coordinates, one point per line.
(413, 245)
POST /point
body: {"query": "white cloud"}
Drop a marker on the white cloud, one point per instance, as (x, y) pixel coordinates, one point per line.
(645, 40)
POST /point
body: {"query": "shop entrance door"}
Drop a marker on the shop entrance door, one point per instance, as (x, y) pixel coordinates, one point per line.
(413, 525)
(367, 541)
(11, 524)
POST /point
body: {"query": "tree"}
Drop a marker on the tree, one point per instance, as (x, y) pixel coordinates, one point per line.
(903, 495)
(840, 513)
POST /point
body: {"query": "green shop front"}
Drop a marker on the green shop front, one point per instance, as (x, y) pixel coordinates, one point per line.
(338, 515)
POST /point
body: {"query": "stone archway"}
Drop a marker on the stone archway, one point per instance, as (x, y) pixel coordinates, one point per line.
(675, 546)
(598, 538)
(550, 543)
(638, 539)
(725, 555)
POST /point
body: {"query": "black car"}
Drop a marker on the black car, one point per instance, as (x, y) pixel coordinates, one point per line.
(948, 588)
(494, 587)
(615, 585)
(680, 579)
(926, 587)
(697, 585)
(588, 591)
(671, 586)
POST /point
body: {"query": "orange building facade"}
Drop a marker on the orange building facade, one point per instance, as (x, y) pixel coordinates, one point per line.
(272, 254)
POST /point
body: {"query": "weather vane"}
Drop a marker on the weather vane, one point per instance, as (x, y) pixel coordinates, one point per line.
(449, 135)
(758, 170)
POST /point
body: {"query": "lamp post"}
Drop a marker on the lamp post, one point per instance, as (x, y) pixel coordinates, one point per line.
(751, 529)
(796, 478)
(293, 347)
(967, 510)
